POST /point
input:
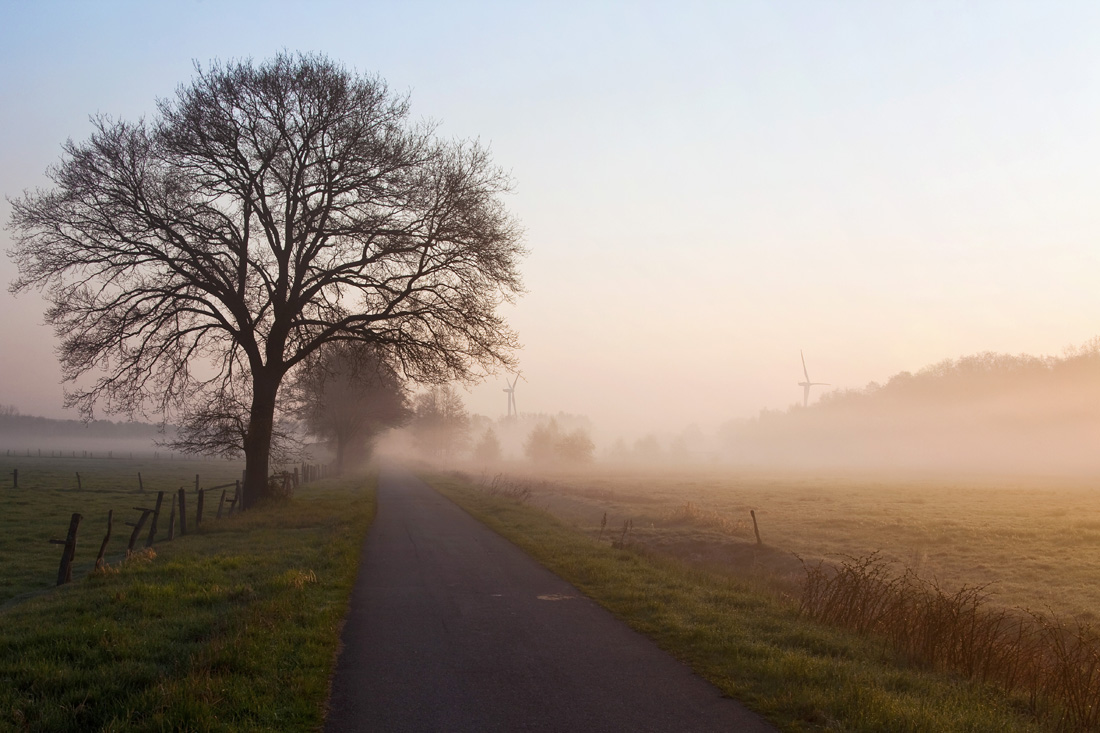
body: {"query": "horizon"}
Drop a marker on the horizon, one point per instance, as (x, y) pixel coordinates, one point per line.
(706, 190)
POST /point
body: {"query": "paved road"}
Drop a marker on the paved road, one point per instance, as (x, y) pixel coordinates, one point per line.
(453, 628)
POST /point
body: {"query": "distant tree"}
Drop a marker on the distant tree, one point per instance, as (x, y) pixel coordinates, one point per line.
(619, 451)
(487, 449)
(648, 448)
(547, 442)
(347, 393)
(440, 422)
(195, 260)
(541, 444)
(576, 447)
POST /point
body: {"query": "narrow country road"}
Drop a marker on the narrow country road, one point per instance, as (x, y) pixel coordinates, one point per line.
(453, 628)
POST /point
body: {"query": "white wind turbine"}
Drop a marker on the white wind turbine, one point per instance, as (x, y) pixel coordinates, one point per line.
(511, 390)
(807, 384)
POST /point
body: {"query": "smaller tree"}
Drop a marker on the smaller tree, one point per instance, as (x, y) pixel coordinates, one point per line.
(576, 447)
(487, 449)
(440, 422)
(348, 393)
(547, 443)
(541, 443)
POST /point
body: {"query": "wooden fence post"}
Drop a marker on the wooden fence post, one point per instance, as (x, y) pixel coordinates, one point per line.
(78, 487)
(754, 527)
(172, 523)
(221, 503)
(65, 570)
(183, 511)
(156, 518)
(198, 512)
(296, 477)
(103, 547)
(141, 486)
(137, 527)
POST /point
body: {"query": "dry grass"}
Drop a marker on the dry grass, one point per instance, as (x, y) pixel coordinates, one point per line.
(945, 573)
(1055, 664)
(1031, 543)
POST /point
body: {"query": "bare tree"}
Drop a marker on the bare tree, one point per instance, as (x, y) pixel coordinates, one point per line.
(548, 442)
(196, 259)
(487, 449)
(347, 393)
(440, 421)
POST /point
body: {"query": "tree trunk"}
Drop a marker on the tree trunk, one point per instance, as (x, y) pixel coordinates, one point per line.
(257, 442)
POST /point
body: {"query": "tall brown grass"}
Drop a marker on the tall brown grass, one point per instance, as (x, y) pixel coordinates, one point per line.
(1054, 663)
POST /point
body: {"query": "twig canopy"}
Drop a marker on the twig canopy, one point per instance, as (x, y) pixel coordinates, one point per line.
(195, 259)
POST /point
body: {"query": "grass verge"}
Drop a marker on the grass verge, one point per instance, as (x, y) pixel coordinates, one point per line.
(232, 628)
(755, 647)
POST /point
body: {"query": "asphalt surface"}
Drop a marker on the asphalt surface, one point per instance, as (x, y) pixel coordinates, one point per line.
(453, 628)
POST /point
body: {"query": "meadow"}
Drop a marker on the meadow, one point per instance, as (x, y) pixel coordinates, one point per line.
(753, 644)
(233, 627)
(1032, 543)
(987, 580)
(49, 493)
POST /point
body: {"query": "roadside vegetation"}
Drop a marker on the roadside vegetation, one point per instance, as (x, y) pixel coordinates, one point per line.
(748, 634)
(234, 627)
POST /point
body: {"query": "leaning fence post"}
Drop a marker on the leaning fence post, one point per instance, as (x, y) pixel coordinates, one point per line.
(137, 527)
(221, 503)
(141, 486)
(65, 570)
(198, 512)
(78, 487)
(156, 518)
(754, 527)
(103, 547)
(183, 511)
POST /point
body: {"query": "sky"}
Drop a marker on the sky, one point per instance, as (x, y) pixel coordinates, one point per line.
(706, 188)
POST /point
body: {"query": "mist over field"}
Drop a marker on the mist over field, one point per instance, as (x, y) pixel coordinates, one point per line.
(988, 412)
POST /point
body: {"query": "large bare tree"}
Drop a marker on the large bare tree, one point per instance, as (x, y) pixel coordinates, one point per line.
(193, 260)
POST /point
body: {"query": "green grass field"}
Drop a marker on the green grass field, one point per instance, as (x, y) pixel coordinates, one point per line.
(40, 508)
(745, 638)
(234, 627)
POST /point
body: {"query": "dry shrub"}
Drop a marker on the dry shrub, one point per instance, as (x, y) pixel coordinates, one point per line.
(103, 569)
(517, 490)
(298, 579)
(143, 556)
(691, 513)
(1056, 664)
(281, 485)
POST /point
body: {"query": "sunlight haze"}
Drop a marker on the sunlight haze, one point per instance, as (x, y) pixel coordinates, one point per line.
(707, 188)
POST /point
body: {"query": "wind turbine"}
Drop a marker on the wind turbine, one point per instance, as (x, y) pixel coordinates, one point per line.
(511, 390)
(807, 384)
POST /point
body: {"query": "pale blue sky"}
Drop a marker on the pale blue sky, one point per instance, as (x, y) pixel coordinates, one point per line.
(707, 187)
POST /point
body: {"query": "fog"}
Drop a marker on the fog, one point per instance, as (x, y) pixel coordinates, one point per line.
(706, 191)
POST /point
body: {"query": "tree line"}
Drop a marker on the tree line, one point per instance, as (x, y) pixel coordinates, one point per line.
(983, 411)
